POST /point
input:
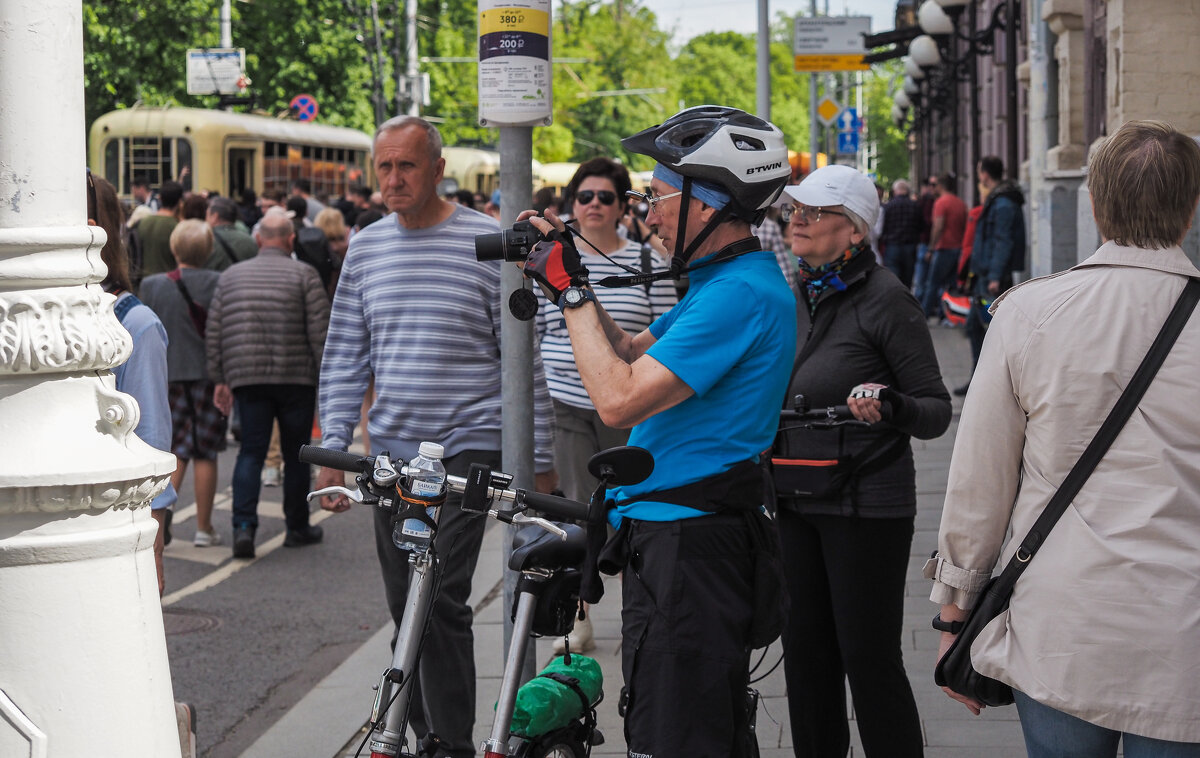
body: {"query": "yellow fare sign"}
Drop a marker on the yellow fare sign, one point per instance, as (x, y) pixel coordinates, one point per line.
(514, 20)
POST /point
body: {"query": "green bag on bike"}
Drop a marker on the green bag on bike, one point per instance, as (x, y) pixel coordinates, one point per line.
(555, 697)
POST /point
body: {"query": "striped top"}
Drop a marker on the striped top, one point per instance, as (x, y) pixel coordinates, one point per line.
(415, 309)
(631, 307)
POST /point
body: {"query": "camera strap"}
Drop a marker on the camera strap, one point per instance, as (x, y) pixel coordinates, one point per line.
(727, 253)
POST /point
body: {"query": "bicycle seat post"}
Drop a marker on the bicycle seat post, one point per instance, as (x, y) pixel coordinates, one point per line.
(497, 745)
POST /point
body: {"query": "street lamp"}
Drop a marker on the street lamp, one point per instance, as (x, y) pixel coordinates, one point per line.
(911, 68)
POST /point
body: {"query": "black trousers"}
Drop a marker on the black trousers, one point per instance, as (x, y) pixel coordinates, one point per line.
(443, 695)
(685, 621)
(845, 577)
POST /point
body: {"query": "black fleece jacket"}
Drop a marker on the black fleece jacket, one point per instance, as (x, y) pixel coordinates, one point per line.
(873, 331)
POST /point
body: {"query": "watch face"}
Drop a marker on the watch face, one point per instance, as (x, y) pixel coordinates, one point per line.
(574, 296)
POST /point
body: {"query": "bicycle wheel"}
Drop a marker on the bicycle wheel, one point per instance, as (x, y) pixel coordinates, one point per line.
(562, 743)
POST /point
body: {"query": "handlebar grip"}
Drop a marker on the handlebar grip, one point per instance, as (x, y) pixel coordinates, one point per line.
(334, 459)
(557, 507)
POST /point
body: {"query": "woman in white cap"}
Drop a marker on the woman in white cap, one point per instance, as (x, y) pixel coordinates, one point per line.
(847, 496)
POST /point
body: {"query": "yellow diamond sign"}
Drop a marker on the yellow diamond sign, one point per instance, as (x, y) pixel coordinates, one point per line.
(828, 110)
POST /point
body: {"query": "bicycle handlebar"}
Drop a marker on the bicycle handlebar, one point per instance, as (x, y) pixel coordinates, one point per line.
(338, 459)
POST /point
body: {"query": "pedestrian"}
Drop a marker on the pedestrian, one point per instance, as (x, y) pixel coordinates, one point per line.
(266, 330)
(302, 188)
(154, 232)
(144, 374)
(230, 244)
(945, 245)
(1100, 639)
(901, 233)
(847, 497)
(700, 389)
(596, 198)
(181, 299)
(925, 202)
(416, 310)
(332, 225)
(998, 250)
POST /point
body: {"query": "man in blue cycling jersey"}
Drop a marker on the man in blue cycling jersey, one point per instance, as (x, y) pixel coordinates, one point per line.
(702, 389)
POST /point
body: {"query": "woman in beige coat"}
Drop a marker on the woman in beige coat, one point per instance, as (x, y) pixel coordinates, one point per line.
(1101, 641)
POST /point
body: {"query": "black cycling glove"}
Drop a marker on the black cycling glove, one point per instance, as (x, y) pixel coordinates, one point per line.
(554, 264)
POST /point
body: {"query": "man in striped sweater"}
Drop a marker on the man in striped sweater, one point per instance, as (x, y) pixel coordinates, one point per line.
(416, 310)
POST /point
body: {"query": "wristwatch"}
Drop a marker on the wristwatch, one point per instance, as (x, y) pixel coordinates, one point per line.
(954, 627)
(573, 297)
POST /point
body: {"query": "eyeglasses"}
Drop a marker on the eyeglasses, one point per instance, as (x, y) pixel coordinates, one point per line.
(93, 207)
(653, 200)
(606, 197)
(805, 213)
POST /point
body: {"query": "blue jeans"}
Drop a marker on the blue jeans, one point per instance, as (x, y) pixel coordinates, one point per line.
(260, 405)
(920, 270)
(939, 277)
(1050, 733)
(900, 260)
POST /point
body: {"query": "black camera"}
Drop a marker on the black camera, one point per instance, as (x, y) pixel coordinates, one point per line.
(511, 245)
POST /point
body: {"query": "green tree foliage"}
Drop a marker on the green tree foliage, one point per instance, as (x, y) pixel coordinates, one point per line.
(614, 71)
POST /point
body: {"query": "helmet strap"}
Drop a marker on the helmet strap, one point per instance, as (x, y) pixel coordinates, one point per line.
(682, 255)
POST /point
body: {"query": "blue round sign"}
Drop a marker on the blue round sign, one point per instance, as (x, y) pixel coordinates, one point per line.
(305, 107)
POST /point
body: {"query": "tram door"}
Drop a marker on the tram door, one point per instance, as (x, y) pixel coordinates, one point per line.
(242, 161)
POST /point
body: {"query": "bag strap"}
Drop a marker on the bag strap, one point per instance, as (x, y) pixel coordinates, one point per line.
(1120, 413)
(198, 313)
(225, 249)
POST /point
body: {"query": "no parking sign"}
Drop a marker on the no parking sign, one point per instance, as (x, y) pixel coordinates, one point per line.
(305, 107)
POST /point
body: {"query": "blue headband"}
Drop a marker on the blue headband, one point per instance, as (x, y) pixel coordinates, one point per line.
(706, 192)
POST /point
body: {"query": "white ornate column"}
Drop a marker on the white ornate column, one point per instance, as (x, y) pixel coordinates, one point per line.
(83, 660)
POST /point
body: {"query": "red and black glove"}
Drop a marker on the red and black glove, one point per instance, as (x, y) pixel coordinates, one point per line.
(555, 265)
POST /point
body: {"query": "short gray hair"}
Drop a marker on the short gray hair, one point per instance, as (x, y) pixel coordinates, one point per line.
(860, 224)
(900, 187)
(403, 122)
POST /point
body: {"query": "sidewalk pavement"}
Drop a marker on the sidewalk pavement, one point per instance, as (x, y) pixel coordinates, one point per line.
(329, 720)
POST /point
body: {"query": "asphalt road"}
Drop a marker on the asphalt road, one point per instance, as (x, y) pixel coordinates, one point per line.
(248, 639)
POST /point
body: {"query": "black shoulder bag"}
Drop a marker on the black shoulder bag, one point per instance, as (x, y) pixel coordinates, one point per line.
(955, 669)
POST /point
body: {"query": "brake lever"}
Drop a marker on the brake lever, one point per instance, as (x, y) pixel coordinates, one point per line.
(354, 496)
(512, 517)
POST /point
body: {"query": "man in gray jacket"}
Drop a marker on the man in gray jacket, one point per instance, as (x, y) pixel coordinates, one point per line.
(265, 335)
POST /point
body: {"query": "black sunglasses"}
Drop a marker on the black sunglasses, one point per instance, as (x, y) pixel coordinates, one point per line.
(607, 197)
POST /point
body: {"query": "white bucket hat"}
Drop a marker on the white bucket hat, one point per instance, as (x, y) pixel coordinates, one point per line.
(838, 185)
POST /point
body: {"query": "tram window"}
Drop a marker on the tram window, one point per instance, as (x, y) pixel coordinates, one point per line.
(183, 159)
(112, 165)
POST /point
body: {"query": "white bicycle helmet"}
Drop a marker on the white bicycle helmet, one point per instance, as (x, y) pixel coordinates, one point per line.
(743, 154)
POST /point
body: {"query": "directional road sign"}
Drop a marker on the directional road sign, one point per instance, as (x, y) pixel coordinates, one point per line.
(848, 121)
(830, 44)
(847, 143)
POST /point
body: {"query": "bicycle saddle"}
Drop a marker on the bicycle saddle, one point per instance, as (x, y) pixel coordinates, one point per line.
(534, 547)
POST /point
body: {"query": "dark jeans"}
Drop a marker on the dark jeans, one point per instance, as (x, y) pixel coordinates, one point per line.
(920, 273)
(845, 577)
(940, 276)
(901, 260)
(443, 695)
(259, 406)
(685, 620)
(976, 330)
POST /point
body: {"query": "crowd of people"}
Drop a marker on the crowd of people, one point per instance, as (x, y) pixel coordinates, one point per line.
(747, 297)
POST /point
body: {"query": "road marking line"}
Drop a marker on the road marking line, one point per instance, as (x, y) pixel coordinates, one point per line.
(214, 578)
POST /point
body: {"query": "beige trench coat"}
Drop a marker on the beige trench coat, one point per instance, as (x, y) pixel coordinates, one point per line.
(1105, 622)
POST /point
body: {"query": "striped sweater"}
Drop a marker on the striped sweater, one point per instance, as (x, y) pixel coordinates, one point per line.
(416, 310)
(631, 307)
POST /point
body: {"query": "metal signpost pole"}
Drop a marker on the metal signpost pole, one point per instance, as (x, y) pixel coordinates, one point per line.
(515, 95)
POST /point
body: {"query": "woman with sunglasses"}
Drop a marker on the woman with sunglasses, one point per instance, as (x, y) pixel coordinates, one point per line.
(595, 197)
(846, 539)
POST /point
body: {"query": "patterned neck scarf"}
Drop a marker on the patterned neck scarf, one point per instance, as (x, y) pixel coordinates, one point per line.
(820, 278)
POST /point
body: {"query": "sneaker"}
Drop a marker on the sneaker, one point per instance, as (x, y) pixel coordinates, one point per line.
(206, 539)
(185, 721)
(270, 477)
(243, 542)
(962, 391)
(170, 514)
(581, 638)
(309, 535)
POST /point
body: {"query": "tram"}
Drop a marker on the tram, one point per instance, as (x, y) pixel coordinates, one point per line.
(226, 152)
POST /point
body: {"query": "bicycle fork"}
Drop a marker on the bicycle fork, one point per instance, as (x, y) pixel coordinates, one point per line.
(387, 740)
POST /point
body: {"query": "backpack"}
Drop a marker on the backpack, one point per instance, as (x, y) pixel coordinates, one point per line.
(312, 247)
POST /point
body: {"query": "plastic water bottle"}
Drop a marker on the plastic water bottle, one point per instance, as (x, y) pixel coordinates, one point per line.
(426, 480)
